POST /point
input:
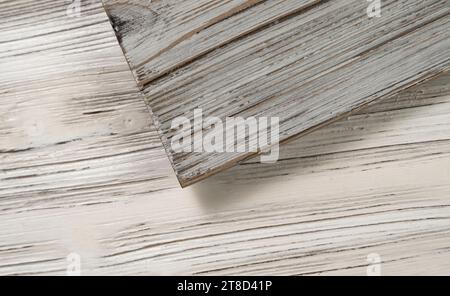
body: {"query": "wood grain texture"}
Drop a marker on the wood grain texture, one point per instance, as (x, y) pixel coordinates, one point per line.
(306, 62)
(83, 170)
(80, 114)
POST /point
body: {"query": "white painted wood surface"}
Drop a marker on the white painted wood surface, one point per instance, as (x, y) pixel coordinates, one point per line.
(82, 170)
(304, 62)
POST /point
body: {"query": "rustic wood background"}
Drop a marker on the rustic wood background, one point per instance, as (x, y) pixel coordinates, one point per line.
(82, 170)
(307, 62)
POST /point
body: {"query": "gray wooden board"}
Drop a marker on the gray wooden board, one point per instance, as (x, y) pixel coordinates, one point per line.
(306, 62)
(82, 170)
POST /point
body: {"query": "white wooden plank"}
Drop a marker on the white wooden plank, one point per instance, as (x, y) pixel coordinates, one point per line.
(305, 62)
(76, 175)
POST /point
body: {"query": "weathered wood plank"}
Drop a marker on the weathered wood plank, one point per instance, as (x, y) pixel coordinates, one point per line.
(83, 170)
(172, 34)
(70, 108)
(316, 62)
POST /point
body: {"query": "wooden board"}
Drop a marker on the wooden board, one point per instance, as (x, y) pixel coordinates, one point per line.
(82, 170)
(306, 62)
